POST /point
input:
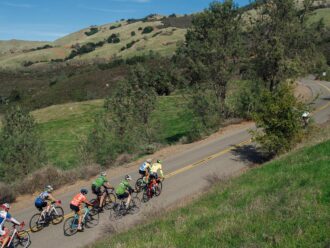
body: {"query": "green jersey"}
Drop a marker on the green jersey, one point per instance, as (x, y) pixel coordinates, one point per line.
(122, 187)
(100, 181)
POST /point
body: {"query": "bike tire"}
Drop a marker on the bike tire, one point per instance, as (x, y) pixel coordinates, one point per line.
(159, 189)
(109, 201)
(70, 226)
(58, 216)
(22, 239)
(92, 220)
(135, 205)
(139, 185)
(145, 197)
(34, 224)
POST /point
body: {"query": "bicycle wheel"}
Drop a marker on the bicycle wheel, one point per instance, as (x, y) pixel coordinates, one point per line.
(139, 184)
(109, 201)
(95, 209)
(92, 220)
(35, 223)
(135, 205)
(57, 215)
(145, 197)
(159, 189)
(70, 226)
(22, 239)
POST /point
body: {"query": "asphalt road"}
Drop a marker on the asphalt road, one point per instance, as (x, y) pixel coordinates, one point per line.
(188, 173)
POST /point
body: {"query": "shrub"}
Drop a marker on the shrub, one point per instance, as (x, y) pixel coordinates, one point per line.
(140, 28)
(7, 193)
(133, 33)
(92, 30)
(278, 119)
(114, 38)
(147, 30)
(114, 27)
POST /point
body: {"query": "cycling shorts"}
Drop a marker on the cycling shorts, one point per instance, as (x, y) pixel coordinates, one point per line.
(74, 208)
(153, 176)
(143, 173)
(40, 205)
(96, 190)
(123, 196)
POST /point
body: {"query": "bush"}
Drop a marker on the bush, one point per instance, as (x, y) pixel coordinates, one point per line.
(114, 27)
(114, 38)
(7, 193)
(278, 120)
(147, 30)
(133, 33)
(140, 28)
(93, 30)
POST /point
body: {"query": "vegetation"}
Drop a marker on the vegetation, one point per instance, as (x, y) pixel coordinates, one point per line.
(114, 38)
(21, 151)
(147, 30)
(292, 191)
(92, 30)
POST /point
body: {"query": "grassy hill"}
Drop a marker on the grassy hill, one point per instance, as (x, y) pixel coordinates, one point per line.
(162, 38)
(285, 203)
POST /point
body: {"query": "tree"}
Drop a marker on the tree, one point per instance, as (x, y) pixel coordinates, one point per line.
(212, 51)
(21, 150)
(281, 41)
(278, 120)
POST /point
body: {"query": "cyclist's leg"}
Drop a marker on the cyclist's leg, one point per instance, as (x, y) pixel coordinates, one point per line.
(4, 236)
(102, 196)
(128, 195)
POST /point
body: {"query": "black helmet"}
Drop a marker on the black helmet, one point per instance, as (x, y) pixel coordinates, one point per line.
(84, 191)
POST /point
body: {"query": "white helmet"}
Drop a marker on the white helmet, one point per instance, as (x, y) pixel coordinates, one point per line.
(128, 177)
(49, 188)
(103, 173)
(149, 160)
(6, 206)
(305, 114)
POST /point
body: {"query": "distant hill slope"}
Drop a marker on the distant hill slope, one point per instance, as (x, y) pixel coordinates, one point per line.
(135, 36)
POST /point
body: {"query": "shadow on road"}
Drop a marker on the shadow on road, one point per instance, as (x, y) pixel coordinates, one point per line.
(249, 154)
(326, 98)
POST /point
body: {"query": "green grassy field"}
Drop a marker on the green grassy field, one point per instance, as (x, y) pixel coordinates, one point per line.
(62, 127)
(285, 203)
(321, 14)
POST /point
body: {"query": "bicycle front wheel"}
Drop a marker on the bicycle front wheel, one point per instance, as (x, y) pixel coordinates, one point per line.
(57, 215)
(22, 239)
(109, 201)
(139, 184)
(135, 205)
(70, 226)
(158, 189)
(92, 220)
(35, 223)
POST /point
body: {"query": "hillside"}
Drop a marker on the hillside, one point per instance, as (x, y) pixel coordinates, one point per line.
(284, 203)
(135, 37)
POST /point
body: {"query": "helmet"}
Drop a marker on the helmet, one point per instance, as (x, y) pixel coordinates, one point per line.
(159, 161)
(49, 188)
(128, 177)
(103, 173)
(6, 206)
(84, 191)
(149, 160)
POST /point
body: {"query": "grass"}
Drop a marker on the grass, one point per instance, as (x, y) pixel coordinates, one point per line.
(285, 203)
(62, 127)
(321, 14)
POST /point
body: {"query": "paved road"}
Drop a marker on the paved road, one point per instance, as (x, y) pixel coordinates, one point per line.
(187, 172)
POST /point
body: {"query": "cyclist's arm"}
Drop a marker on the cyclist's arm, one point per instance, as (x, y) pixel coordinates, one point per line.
(13, 220)
(51, 198)
(107, 185)
(88, 202)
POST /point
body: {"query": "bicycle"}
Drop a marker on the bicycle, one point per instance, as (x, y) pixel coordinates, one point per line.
(140, 184)
(40, 220)
(152, 189)
(119, 210)
(19, 238)
(109, 200)
(89, 220)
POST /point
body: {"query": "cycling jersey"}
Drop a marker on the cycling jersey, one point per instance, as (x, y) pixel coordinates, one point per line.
(122, 187)
(144, 166)
(3, 217)
(78, 200)
(100, 181)
(155, 167)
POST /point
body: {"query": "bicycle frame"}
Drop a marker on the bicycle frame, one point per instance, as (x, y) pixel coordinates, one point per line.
(76, 216)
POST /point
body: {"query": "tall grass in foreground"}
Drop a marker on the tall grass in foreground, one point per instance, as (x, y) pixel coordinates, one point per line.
(285, 203)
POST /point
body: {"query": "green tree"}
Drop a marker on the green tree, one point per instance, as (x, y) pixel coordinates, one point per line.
(21, 150)
(212, 51)
(281, 43)
(278, 120)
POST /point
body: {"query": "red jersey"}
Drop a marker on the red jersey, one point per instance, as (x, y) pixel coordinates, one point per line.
(78, 199)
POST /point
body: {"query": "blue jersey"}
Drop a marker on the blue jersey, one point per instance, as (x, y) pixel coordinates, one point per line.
(144, 166)
(3, 217)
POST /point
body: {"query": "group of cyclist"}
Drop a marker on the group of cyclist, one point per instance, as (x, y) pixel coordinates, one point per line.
(149, 172)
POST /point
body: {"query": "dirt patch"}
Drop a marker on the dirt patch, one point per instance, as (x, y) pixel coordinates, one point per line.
(303, 93)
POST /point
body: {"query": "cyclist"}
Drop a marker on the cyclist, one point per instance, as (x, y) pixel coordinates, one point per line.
(145, 168)
(305, 117)
(44, 200)
(76, 205)
(5, 216)
(155, 168)
(124, 190)
(97, 185)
